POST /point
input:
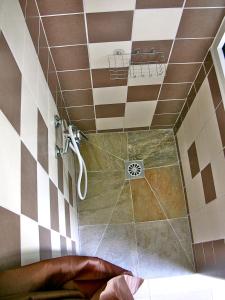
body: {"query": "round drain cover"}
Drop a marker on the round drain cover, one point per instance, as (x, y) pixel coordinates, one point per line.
(134, 169)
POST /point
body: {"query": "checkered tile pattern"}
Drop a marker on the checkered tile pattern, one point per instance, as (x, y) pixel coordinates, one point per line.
(81, 35)
(200, 132)
(38, 197)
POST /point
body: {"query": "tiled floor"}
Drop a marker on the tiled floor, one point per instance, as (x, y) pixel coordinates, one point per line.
(139, 224)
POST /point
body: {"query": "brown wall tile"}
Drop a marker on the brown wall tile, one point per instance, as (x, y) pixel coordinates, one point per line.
(199, 256)
(204, 3)
(101, 78)
(81, 113)
(191, 96)
(209, 254)
(42, 142)
(43, 52)
(219, 250)
(67, 218)
(208, 184)
(23, 4)
(33, 21)
(109, 26)
(49, 7)
(78, 98)
(10, 85)
(181, 73)
(110, 110)
(197, 23)
(60, 174)
(165, 119)
(28, 184)
(65, 30)
(70, 189)
(86, 125)
(190, 50)
(171, 106)
(72, 80)
(54, 209)
(214, 87)
(158, 3)
(143, 93)
(45, 243)
(199, 79)
(174, 91)
(63, 246)
(193, 160)
(208, 62)
(70, 58)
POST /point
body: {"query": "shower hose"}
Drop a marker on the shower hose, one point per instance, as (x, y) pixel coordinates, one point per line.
(82, 167)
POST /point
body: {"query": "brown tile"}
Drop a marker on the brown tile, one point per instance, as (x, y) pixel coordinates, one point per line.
(42, 142)
(171, 106)
(181, 73)
(143, 93)
(209, 253)
(184, 111)
(110, 110)
(81, 113)
(78, 98)
(208, 184)
(193, 160)
(145, 46)
(208, 62)
(205, 3)
(190, 50)
(140, 4)
(33, 21)
(10, 85)
(220, 115)
(166, 183)
(43, 52)
(165, 119)
(146, 206)
(101, 78)
(28, 184)
(199, 79)
(197, 23)
(219, 250)
(65, 30)
(23, 4)
(45, 243)
(60, 174)
(49, 7)
(72, 80)
(76, 57)
(199, 256)
(214, 87)
(191, 97)
(63, 246)
(174, 91)
(54, 209)
(86, 125)
(109, 26)
(67, 219)
(70, 189)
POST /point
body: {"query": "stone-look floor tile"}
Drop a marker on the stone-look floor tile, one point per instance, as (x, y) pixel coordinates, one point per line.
(123, 212)
(90, 237)
(118, 246)
(159, 252)
(166, 182)
(114, 143)
(104, 188)
(146, 206)
(97, 159)
(155, 147)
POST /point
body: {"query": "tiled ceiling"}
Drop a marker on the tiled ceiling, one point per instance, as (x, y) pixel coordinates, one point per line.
(81, 35)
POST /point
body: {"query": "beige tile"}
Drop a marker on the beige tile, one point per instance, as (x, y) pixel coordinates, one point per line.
(195, 194)
(107, 5)
(109, 123)
(110, 95)
(218, 170)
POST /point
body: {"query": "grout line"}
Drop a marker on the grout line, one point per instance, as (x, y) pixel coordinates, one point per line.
(59, 15)
(110, 218)
(164, 166)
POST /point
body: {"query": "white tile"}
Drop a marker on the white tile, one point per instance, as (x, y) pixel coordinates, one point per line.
(156, 24)
(139, 114)
(146, 74)
(10, 161)
(108, 5)
(195, 194)
(201, 143)
(29, 233)
(74, 224)
(66, 183)
(55, 242)
(43, 197)
(43, 95)
(28, 120)
(61, 206)
(109, 123)
(218, 170)
(52, 111)
(69, 246)
(99, 54)
(181, 140)
(110, 95)
(186, 169)
(193, 122)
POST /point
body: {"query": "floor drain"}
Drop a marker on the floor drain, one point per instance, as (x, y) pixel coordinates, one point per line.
(134, 169)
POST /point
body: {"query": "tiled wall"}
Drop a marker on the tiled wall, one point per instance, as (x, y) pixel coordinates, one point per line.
(201, 138)
(37, 191)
